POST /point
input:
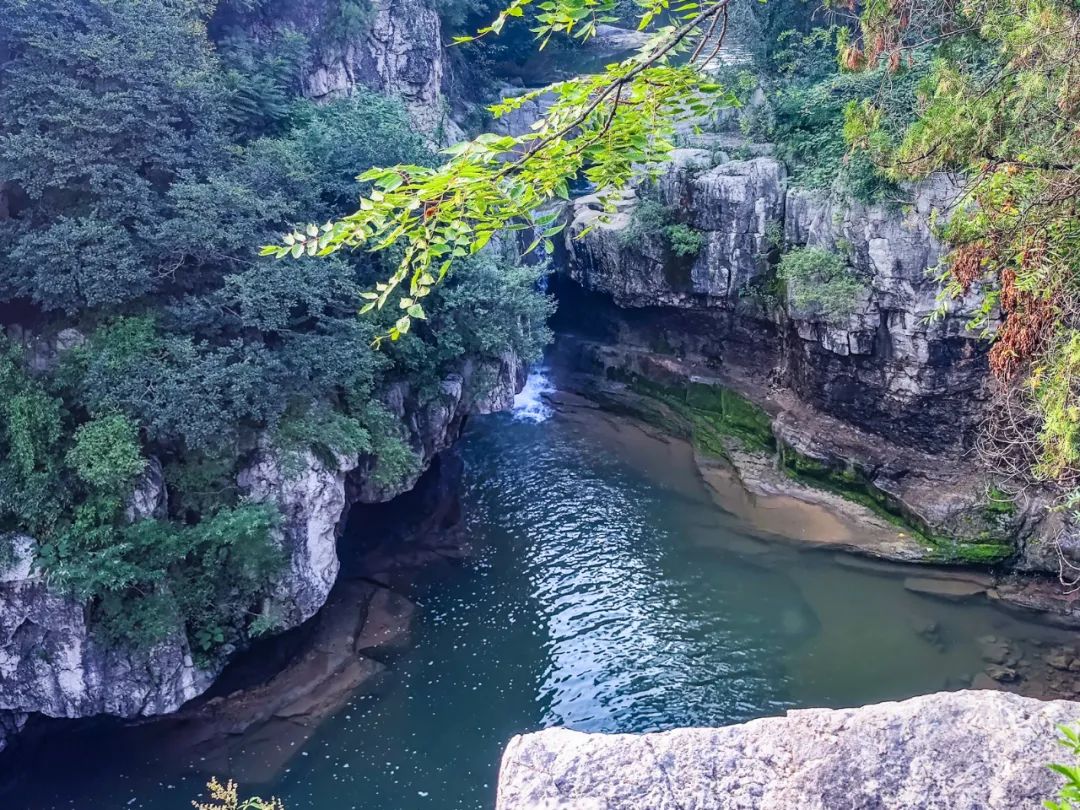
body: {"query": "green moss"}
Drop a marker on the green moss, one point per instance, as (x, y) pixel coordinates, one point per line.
(999, 502)
(713, 416)
(709, 415)
(848, 482)
(974, 553)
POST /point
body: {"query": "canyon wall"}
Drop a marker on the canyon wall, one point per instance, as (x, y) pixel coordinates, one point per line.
(879, 403)
(54, 662)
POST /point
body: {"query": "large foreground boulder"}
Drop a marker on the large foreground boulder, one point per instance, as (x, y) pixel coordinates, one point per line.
(952, 750)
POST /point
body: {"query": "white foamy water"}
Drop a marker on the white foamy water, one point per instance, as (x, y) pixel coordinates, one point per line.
(529, 405)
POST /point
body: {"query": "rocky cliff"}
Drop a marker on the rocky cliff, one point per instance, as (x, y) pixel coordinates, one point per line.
(961, 751)
(396, 48)
(53, 662)
(878, 404)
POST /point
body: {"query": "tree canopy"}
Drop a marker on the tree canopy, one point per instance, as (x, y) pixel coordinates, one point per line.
(147, 148)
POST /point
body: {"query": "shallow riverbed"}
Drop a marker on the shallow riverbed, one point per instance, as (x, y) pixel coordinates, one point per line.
(609, 592)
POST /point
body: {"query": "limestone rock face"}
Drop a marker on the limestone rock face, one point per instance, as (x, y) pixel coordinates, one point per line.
(52, 663)
(733, 205)
(889, 367)
(979, 750)
(397, 50)
(149, 499)
(401, 54)
(482, 386)
(310, 495)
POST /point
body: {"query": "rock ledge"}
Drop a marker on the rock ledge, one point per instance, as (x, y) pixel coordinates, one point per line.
(956, 750)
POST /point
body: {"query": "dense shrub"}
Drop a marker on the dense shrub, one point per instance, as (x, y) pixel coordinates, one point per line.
(651, 219)
(143, 166)
(807, 95)
(820, 283)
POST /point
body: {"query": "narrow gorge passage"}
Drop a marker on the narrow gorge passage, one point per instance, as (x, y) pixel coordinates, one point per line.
(608, 592)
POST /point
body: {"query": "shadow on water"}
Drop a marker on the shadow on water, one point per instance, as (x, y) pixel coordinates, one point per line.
(607, 591)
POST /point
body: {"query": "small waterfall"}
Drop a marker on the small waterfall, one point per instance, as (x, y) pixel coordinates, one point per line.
(529, 405)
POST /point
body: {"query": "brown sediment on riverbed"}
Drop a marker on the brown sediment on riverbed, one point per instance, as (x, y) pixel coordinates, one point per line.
(274, 698)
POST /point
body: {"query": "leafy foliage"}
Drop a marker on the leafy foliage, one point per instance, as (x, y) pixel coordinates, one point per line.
(804, 114)
(999, 104)
(143, 164)
(227, 797)
(820, 282)
(602, 127)
(103, 105)
(1069, 793)
(106, 453)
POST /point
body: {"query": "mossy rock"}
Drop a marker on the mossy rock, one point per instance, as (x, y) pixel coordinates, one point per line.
(988, 547)
(711, 414)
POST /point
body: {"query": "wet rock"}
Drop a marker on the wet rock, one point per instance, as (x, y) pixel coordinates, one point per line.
(951, 589)
(1063, 659)
(994, 650)
(929, 631)
(387, 623)
(1002, 674)
(984, 681)
(974, 749)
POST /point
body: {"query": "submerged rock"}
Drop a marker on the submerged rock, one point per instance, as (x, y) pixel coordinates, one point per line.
(959, 750)
(956, 590)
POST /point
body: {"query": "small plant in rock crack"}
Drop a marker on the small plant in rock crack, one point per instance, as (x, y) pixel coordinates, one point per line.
(1068, 793)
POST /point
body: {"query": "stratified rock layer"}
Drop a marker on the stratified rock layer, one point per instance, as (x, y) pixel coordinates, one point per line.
(947, 751)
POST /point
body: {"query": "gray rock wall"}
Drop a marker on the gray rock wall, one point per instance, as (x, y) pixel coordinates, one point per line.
(891, 367)
(398, 52)
(888, 368)
(948, 751)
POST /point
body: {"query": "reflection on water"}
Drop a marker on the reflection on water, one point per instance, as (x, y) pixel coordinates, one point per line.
(609, 593)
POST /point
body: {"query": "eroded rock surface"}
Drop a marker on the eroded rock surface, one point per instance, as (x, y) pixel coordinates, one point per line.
(890, 367)
(397, 50)
(53, 663)
(881, 405)
(731, 204)
(974, 750)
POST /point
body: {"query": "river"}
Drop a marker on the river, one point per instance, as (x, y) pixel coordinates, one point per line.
(608, 592)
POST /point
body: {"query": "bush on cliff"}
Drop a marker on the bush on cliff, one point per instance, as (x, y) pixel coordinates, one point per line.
(999, 103)
(651, 219)
(820, 282)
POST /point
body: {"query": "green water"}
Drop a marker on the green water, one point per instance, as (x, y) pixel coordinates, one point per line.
(608, 593)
